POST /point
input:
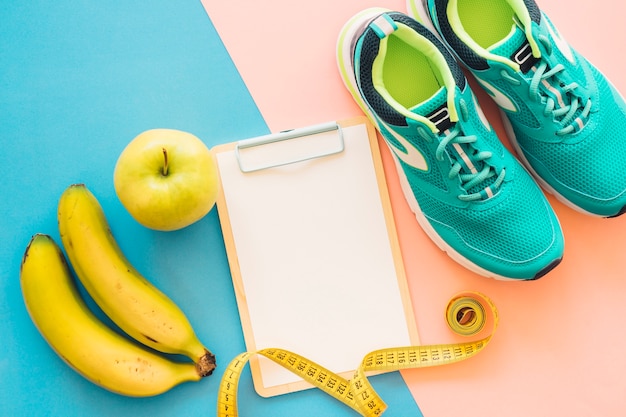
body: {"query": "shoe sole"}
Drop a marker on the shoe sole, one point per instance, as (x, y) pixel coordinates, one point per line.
(344, 61)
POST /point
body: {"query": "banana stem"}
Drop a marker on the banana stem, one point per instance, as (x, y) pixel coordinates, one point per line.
(165, 163)
(206, 364)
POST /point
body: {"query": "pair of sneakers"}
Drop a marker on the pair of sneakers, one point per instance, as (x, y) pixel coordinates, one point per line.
(472, 197)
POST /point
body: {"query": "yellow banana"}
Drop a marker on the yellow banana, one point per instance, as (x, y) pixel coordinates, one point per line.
(90, 347)
(129, 299)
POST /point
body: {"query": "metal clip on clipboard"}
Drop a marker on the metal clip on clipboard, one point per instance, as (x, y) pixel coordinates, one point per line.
(337, 147)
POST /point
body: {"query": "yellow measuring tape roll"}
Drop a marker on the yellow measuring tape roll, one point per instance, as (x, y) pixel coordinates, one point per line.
(465, 315)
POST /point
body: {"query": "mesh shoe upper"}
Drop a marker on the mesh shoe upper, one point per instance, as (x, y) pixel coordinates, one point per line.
(470, 195)
(566, 120)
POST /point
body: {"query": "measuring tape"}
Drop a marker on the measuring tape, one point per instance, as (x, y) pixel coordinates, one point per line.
(465, 314)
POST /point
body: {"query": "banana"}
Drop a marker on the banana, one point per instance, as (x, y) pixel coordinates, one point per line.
(125, 296)
(95, 351)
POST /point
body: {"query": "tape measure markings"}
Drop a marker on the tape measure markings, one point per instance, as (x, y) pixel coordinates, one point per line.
(465, 315)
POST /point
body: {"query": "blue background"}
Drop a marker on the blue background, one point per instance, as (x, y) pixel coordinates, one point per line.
(78, 81)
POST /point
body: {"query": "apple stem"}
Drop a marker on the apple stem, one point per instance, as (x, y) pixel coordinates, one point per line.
(165, 163)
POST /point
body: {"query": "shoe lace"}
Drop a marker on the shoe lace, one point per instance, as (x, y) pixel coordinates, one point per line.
(561, 100)
(478, 178)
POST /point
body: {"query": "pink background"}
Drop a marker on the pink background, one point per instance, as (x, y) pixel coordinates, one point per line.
(560, 346)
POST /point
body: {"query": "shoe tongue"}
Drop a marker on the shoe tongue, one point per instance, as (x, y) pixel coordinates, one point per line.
(435, 109)
(516, 47)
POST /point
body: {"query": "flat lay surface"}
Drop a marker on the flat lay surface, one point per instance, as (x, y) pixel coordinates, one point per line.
(558, 347)
(80, 80)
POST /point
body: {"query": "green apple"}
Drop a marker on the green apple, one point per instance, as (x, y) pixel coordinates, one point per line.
(167, 179)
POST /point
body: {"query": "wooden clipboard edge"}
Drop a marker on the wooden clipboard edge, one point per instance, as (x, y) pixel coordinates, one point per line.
(233, 261)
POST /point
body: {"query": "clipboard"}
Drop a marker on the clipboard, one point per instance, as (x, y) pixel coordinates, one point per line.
(313, 250)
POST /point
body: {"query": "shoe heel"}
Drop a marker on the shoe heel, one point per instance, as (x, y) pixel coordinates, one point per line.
(345, 46)
(418, 10)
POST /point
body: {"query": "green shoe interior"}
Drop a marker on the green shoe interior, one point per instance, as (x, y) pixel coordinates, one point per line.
(486, 21)
(408, 75)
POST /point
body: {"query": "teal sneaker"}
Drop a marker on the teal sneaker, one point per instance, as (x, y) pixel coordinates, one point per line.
(563, 117)
(469, 194)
